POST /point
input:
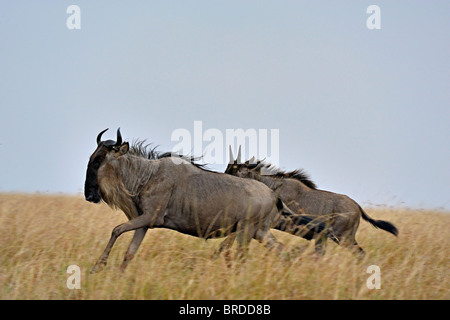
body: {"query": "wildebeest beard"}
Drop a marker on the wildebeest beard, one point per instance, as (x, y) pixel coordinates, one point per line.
(91, 188)
(91, 192)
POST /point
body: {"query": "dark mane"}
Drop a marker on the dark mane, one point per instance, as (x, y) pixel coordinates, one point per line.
(146, 150)
(298, 174)
(302, 176)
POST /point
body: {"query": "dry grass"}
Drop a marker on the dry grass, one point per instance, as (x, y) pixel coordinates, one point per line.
(40, 236)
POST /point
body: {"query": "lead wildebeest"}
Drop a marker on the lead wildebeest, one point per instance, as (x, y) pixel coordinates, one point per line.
(301, 195)
(174, 193)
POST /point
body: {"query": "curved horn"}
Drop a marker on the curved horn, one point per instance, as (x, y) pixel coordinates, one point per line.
(231, 156)
(119, 138)
(99, 137)
(238, 159)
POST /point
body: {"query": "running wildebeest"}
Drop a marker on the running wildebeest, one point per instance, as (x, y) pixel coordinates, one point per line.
(300, 194)
(176, 194)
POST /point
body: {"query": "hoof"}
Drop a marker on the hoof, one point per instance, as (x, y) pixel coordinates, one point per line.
(99, 266)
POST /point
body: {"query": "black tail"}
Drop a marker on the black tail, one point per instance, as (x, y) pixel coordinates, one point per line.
(387, 226)
(290, 222)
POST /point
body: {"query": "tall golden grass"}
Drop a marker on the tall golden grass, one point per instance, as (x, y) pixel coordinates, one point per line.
(41, 235)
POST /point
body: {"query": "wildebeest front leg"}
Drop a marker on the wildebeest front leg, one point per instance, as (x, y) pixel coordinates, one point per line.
(136, 223)
(139, 235)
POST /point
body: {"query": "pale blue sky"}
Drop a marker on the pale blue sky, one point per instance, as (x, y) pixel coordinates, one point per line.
(365, 112)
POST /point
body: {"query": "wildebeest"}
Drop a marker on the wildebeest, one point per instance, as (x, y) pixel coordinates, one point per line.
(301, 195)
(176, 194)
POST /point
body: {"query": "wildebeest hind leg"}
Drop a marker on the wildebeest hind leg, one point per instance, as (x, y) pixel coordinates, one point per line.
(225, 245)
(269, 240)
(351, 244)
(357, 250)
(244, 236)
(320, 245)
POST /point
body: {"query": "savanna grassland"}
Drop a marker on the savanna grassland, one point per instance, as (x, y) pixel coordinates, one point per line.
(41, 235)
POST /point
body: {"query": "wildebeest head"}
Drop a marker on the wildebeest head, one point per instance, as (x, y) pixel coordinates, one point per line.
(104, 149)
(242, 169)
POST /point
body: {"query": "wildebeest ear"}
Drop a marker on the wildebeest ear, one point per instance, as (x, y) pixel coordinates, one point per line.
(123, 148)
